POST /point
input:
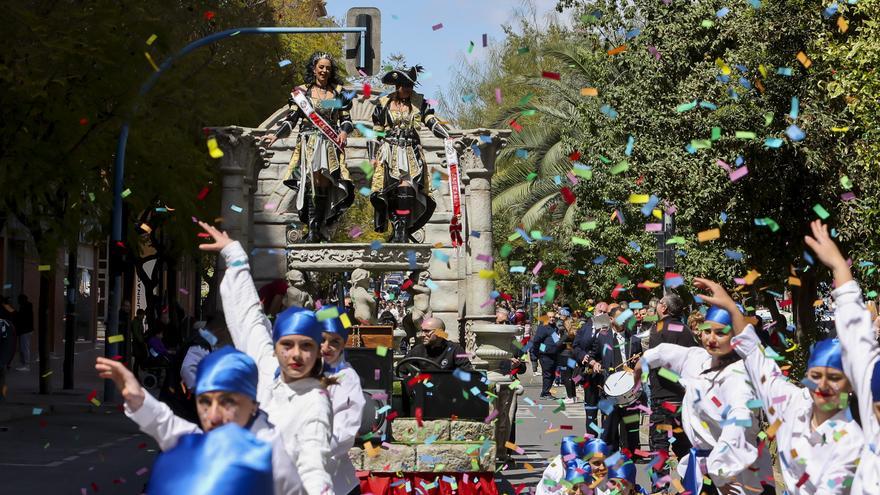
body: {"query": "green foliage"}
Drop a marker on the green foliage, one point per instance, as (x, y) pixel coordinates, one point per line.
(69, 75)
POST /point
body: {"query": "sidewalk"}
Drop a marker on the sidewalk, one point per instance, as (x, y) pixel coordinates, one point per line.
(23, 395)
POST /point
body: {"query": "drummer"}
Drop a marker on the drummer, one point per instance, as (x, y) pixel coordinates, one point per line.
(615, 350)
(715, 414)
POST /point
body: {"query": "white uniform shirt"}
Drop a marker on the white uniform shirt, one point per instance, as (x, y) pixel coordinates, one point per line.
(812, 462)
(190, 366)
(347, 398)
(157, 420)
(715, 417)
(300, 410)
(551, 479)
(860, 353)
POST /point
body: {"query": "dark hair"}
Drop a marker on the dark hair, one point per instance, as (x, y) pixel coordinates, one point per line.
(674, 304)
(309, 76)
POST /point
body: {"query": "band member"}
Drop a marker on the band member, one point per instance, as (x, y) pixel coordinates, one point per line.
(715, 411)
(201, 463)
(347, 398)
(226, 392)
(296, 400)
(812, 424)
(591, 380)
(317, 171)
(401, 191)
(861, 355)
(617, 350)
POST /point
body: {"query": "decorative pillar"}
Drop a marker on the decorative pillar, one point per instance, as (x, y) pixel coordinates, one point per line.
(491, 343)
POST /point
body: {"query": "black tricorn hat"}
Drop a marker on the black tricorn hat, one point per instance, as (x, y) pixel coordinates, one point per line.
(403, 77)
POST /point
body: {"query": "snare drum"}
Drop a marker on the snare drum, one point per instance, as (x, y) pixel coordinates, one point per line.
(621, 387)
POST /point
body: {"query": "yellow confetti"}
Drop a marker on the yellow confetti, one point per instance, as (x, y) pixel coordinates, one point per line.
(650, 285)
(794, 281)
(151, 39)
(441, 334)
(842, 24)
(44, 268)
(346, 322)
(804, 60)
(657, 213)
(709, 235)
(771, 431)
(818, 302)
(762, 70)
(528, 466)
(589, 92)
(751, 276)
(146, 228)
(150, 60)
(487, 274)
(96, 402)
(791, 348)
(113, 339)
(214, 148)
(638, 199)
(839, 129)
(725, 69)
(618, 50)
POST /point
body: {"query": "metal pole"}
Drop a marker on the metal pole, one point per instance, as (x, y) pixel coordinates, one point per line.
(116, 235)
(362, 53)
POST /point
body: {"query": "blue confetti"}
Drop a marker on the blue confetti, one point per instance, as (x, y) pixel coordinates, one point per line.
(773, 142)
(521, 153)
(284, 63)
(784, 71)
(648, 207)
(795, 108)
(795, 133)
(609, 111)
(708, 105)
(598, 260)
(376, 245)
(734, 255)
(629, 145)
(723, 11)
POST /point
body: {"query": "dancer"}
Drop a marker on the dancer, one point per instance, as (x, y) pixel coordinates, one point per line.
(582, 461)
(347, 398)
(296, 400)
(401, 191)
(714, 412)
(226, 392)
(317, 172)
(861, 354)
(622, 480)
(818, 442)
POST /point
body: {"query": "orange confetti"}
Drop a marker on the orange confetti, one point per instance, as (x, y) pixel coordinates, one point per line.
(804, 60)
(616, 51)
(589, 92)
(794, 281)
(842, 24)
(709, 235)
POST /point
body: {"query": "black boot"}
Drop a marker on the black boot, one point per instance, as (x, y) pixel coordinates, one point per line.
(403, 205)
(317, 214)
(400, 232)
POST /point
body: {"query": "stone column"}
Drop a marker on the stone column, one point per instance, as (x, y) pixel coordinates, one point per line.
(490, 342)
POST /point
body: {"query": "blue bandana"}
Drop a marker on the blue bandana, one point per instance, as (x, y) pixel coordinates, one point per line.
(718, 315)
(334, 325)
(875, 382)
(227, 460)
(576, 470)
(297, 321)
(596, 446)
(227, 370)
(826, 353)
(570, 446)
(626, 471)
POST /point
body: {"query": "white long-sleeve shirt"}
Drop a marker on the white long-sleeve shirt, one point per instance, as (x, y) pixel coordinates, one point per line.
(551, 479)
(190, 366)
(860, 353)
(347, 398)
(715, 416)
(812, 462)
(157, 420)
(300, 410)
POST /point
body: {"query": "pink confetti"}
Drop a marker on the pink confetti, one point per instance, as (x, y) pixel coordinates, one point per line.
(270, 206)
(675, 327)
(491, 416)
(498, 95)
(142, 471)
(377, 373)
(740, 281)
(780, 399)
(435, 27)
(848, 196)
(739, 173)
(484, 257)
(183, 291)
(355, 232)
(653, 227)
(379, 395)
(537, 267)
(723, 165)
(655, 52)
(572, 178)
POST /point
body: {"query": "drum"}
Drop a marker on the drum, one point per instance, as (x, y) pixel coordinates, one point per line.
(621, 387)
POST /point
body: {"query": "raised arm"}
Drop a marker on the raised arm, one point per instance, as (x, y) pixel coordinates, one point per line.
(853, 322)
(680, 360)
(432, 122)
(153, 417)
(765, 378)
(249, 327)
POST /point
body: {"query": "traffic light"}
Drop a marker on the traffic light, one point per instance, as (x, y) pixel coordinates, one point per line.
(369, 18)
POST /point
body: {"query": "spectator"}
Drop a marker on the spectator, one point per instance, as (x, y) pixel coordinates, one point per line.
(138, 341)
(7, 343)
(177, 391)
(447, 355)
(546, 344)
(667, 396)
(155, 345)
(24, 326)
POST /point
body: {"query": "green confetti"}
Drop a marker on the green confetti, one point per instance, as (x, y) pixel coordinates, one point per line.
(525, 99)
(707, 23)
(745, 135)
(381, 351)
(588, 225)
(619, 168)
(604, 159)
(522, 50)
(768, 118)
(676, 240)
(532, 176)
(701, 143)
(871, 294)
(126, 193)
(579, 241)
(716, 133)
(550, 292)
(684, 107)
(821, 211)
(668, 374)
(471, 48)
(844, 183)
(505, 250)
(92, 197)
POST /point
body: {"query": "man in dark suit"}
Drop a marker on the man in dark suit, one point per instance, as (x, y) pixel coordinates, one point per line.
(547, 345)
(616, 349)
(582, 349)
(666, 396)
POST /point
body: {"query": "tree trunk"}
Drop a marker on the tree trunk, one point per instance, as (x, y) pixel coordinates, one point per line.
(43, 334)
(803, 297)
(70, 317)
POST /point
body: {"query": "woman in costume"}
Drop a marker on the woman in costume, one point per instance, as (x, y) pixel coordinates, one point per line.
(861, 355)
(817, 440)
(401, 191)
(347, 398)
(317, 171)
(715, 412)
(296, 400)
(226, 392)
(577, 463)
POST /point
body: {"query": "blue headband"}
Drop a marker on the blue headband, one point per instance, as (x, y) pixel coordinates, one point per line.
(570, 446)
(297, 321)
(626, 471)
(826, 353)
(596, 446)
(576, 470)
(334, 325)
(226, 460)
(718, 315)
(227, 370)
(875, 382)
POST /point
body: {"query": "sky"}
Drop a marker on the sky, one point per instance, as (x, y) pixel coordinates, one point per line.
(407, 28)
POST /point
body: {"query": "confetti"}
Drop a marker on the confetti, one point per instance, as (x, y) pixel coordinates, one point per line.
(113, 339)
(804, 60)
(284, 63)
(436, 27)
(550, 75)
(708, 235)
(213, 148)
(126, 193)
(589, 92)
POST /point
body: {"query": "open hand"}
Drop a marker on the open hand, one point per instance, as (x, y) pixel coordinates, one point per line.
(221, 239)
(343, 139)
(827, 252)
(124, 379)
(719, 297)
